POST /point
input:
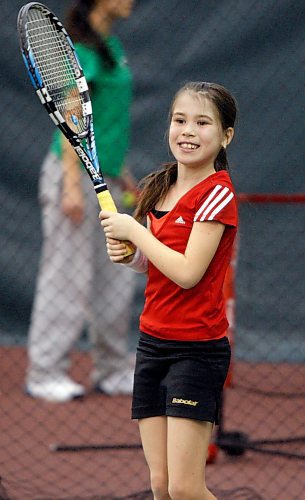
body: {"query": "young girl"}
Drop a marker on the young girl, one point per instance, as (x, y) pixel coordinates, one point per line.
(183, 353)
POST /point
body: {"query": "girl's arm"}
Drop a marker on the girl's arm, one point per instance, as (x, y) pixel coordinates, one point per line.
(186, 269)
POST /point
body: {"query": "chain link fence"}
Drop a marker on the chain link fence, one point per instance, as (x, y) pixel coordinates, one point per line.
(89, 447)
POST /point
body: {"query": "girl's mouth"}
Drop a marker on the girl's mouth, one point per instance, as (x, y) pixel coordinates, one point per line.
(188, 145)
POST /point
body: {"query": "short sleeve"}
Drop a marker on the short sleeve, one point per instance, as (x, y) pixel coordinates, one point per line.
(217, 204)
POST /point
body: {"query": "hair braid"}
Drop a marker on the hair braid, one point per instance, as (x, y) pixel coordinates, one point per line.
(155, 186)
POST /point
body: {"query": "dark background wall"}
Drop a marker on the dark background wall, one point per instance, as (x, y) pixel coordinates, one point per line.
(251, 47)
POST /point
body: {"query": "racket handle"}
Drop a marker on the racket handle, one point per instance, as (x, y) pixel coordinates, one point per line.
(106, 203)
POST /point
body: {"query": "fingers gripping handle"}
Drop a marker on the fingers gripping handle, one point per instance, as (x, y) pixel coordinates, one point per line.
(106, 203)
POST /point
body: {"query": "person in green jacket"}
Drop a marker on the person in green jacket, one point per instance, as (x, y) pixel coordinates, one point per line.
(77, 285)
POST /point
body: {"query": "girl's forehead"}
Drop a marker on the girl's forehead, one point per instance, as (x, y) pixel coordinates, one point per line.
(191, 101)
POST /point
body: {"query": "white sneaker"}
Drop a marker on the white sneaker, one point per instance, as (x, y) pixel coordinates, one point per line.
(119, 383)
(59, 389)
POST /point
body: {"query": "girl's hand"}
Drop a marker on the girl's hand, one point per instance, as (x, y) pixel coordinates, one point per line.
(117, 251)
(117, 226)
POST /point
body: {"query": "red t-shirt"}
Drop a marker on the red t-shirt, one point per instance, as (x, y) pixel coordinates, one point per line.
(171, 312)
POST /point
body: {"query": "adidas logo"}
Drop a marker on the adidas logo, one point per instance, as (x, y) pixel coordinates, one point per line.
(180, 220)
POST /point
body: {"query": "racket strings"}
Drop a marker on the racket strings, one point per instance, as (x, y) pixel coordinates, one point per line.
(56, 63)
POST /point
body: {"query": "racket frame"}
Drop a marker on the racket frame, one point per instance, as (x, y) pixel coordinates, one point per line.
(88, 157)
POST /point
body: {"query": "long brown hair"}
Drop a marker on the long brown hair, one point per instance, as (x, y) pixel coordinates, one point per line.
(155, 186)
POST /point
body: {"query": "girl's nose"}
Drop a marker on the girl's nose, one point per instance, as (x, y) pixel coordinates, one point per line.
(188, 130)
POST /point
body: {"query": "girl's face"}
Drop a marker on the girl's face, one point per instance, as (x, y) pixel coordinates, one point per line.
(195, 134)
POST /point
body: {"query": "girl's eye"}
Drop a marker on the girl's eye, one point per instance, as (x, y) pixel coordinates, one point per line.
(179, 120)
(202, 122)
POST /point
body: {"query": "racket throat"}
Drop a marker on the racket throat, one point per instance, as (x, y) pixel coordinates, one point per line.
(100, 188)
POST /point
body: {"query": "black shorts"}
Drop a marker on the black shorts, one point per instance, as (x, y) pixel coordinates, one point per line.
(180, 378)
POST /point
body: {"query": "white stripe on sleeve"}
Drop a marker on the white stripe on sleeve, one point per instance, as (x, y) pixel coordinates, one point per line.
(213, 203)
(207, 201)
(220, 206)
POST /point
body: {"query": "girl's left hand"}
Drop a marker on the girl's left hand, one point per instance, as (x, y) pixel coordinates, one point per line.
(117, 226)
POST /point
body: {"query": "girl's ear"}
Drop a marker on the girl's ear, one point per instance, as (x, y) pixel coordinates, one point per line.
(228, 136)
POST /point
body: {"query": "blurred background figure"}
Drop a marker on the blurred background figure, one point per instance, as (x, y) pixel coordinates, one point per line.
(77, 284)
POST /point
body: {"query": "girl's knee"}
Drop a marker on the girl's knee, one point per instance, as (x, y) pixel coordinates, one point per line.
(159, 486)
(182, 491)
(187, 491)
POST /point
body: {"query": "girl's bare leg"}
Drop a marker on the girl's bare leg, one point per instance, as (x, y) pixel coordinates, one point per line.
(188, 442)
(153, 433)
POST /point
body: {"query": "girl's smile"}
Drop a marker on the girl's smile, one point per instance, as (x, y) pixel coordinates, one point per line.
(188, 146)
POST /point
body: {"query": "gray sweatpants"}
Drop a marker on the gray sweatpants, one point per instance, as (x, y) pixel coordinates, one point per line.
(77, 284)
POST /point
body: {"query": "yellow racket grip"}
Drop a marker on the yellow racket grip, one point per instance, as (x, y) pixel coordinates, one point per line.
(106, 203)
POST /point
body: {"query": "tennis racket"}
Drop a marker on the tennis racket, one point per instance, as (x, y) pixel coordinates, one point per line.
(61, 86)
